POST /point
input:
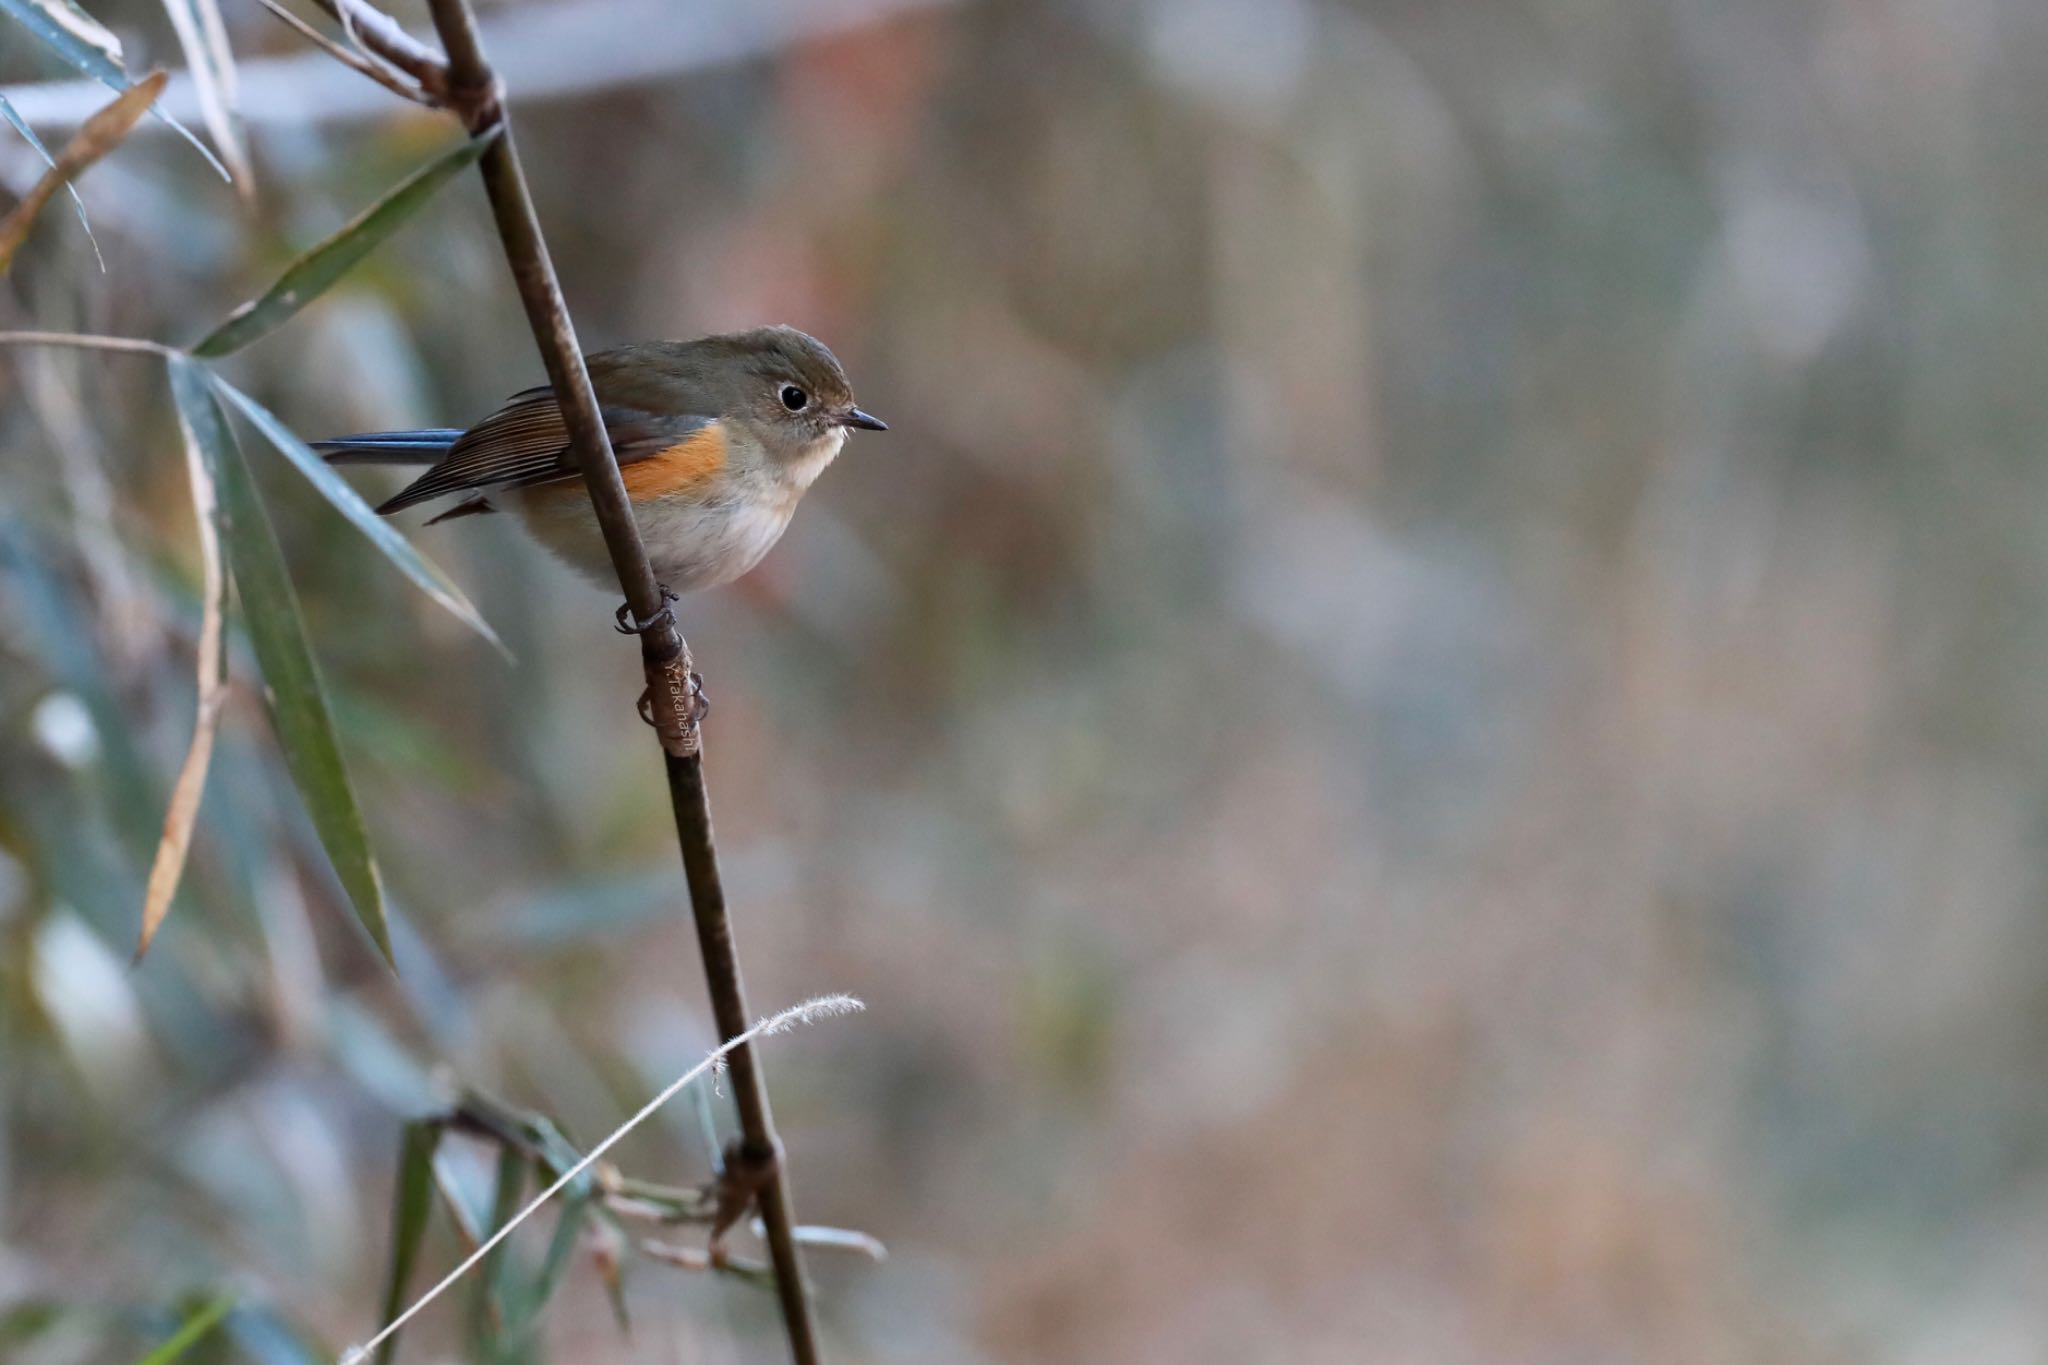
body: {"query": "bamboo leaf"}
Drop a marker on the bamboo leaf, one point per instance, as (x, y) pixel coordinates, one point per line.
(560, 1247)
(100, 134)
(560, 1154)
(189, 1332)
(270, 609)
(169, 865)
(78, 205)
(77, 37)
(84, 43)
(411, 1203)
(338, 491)
(308, 277)
(212, 66)
(487, 1309)
(463, 1211)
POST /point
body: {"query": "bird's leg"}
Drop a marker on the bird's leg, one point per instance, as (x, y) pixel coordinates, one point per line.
(673, 702)
(665, 617)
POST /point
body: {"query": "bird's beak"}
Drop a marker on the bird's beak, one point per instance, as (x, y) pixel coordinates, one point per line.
(865, 421)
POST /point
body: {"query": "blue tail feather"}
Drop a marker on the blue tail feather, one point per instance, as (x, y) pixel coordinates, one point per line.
(423, 445)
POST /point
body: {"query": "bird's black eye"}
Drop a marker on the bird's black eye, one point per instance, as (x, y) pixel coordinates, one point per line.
(794, 398)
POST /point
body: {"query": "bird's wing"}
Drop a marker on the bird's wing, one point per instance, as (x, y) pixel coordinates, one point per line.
(526, 442)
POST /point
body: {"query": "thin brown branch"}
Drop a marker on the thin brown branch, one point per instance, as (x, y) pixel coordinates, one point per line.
(467, 86)
(379, 36)
(689, 1258)
(350, 57)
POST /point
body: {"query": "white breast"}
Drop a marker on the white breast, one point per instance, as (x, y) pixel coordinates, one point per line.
(694, 546)
(691, 544)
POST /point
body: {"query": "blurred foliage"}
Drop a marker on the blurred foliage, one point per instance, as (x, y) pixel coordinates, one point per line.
(1425, 737)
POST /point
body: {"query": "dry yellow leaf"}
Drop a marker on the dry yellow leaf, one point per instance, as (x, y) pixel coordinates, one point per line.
(100, 134)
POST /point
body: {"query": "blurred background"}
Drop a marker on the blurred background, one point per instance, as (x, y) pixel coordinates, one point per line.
(1426, 739)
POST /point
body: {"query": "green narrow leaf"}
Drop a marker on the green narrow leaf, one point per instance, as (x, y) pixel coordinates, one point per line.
(533, 1132)
(310, 276)
(211, 65)
(84, 42)
(189, 1332)
(411, 1202)
(29, 134)
(560, 1247)
(487, 1309)
(560, 1154)
(465, 1203)
(76, 36)
(270, 611)
(350, 504)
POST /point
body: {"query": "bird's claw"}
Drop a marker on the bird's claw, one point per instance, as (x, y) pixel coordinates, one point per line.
(665, 617)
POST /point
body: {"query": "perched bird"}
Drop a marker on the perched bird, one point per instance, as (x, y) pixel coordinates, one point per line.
(716, 438)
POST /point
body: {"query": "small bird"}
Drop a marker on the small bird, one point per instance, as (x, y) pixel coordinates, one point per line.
(716, 438)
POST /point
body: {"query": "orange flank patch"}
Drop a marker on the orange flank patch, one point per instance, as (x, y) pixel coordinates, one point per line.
(688, 464)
